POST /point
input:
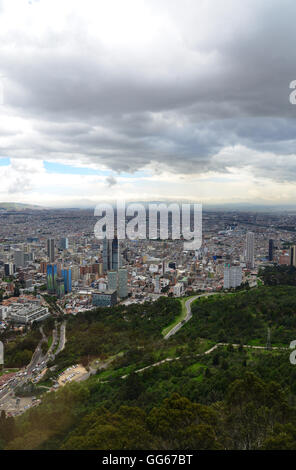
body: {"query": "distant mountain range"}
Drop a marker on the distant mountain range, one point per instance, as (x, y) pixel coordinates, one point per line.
(249, 207)
(85, 204)
(18, 206)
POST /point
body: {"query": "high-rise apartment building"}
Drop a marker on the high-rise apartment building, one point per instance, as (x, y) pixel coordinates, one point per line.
(232, 276)
(50, 250)
(64, 244)
(157, 288)
(250, 244)
(122, 283)
(9, 269)
(19, 258)
(270, 250)
(112, 280)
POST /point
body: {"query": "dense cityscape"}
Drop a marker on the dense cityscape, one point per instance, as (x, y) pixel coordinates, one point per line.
(56, 252)
(53, 265)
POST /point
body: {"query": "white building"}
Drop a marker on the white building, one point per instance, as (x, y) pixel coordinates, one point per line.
(232, 276)
(156, 282)
(102, 286)
(27, 313)
(178, 289)
(3, 312)
(250, 241)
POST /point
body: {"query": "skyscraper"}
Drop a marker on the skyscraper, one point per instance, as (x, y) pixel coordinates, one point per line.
(250, 239)
(51, 278)
(112, 280)
(232, 276)
(19, 258)
(50, 250)
(64, 244)
(111, 254)
(157, 284)
(122, 283)
(270, 250)
(293, 255)
(67, 276)
(9, 269)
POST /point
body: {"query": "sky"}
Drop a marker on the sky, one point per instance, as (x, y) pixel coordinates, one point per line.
(147, 100)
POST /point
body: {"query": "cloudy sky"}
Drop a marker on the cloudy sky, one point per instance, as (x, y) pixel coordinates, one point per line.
(147, 99)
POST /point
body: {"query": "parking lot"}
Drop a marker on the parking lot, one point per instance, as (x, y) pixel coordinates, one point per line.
(73, 373)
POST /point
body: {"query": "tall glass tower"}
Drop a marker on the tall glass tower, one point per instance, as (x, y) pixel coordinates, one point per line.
(111, 254)
(51, 250)
(67, 276)
(52, 273)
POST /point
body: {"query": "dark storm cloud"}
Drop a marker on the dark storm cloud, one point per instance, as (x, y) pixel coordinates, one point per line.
(178, 106)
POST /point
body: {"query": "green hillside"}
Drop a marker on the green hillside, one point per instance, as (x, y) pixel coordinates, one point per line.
(234, 397)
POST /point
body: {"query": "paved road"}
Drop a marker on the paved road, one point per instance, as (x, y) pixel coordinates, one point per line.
(54, 341)
(62, 339)
(27, 372)
(38, 360)
(188, 314)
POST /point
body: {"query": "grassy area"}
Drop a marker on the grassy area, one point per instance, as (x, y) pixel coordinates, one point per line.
(112, 373)
(95, 363)
(196, 371)
(180, 317)
(46, 383)
(49, 342)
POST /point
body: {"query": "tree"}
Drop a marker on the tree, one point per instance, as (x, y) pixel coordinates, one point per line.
(216, 360)
(132, 387)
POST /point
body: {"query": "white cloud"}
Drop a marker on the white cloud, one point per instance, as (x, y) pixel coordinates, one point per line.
(182, 89)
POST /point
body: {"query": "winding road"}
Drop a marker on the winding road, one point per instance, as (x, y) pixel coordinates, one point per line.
(188, 314)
